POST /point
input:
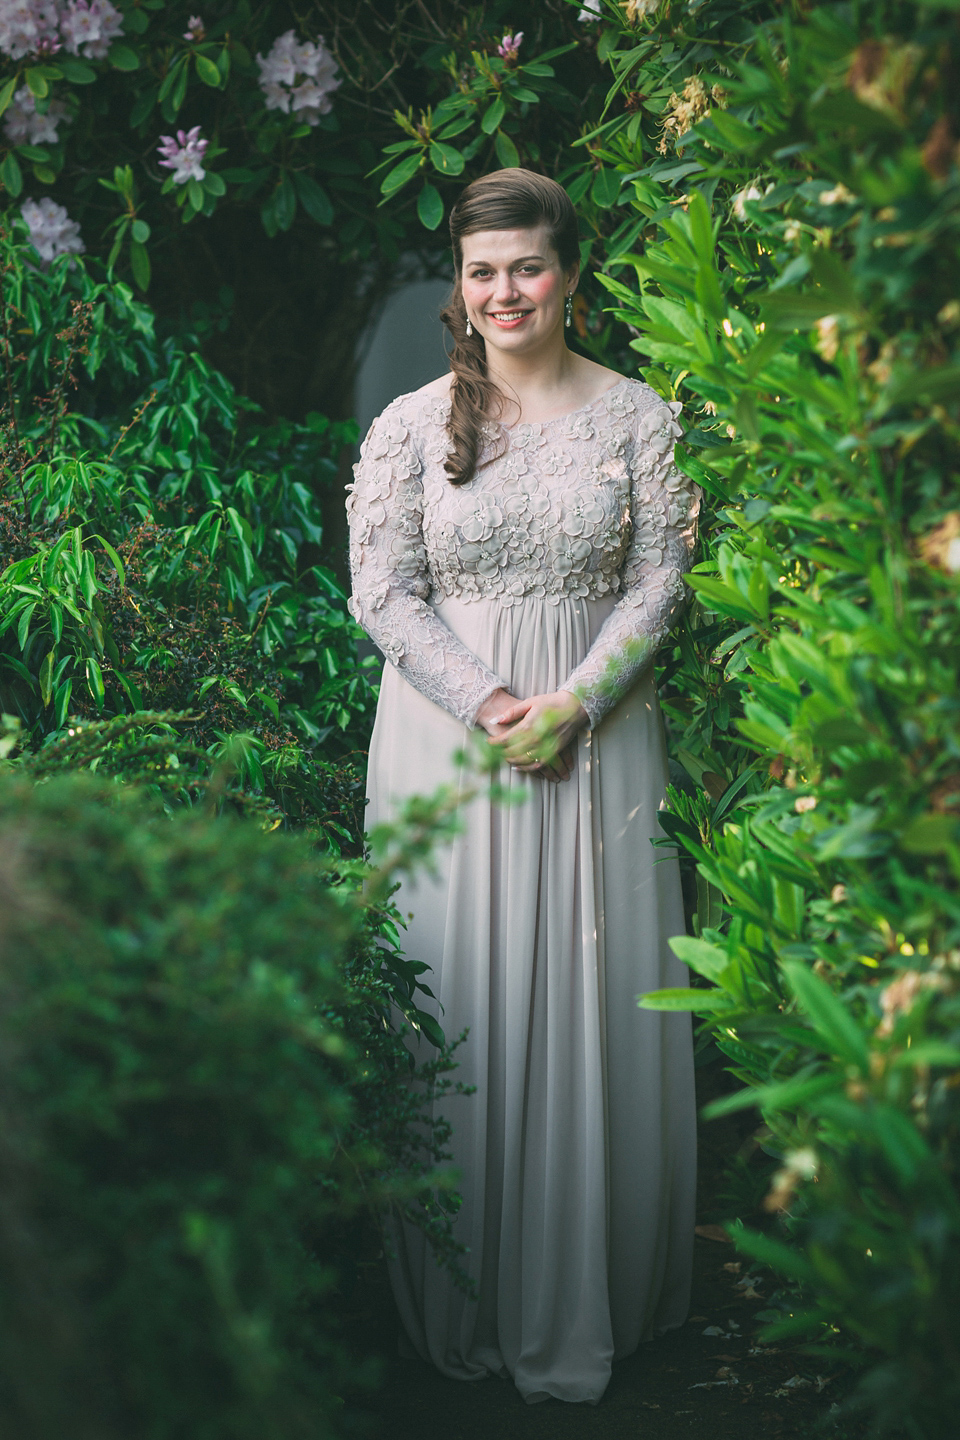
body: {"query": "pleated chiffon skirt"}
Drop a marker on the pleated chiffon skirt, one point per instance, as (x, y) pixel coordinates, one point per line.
(543, 923)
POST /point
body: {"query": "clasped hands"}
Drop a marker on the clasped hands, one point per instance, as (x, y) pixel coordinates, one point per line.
(535, 736)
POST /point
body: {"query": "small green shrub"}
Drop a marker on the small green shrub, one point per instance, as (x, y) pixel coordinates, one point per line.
(201, 1092)
(163, 552)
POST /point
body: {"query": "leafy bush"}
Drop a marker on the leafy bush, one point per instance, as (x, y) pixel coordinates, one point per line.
(781, 243)
(162, 548)
(201, 1089)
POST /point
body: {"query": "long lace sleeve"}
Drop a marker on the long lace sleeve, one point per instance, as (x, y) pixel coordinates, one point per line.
(664, 506)
(391, 584)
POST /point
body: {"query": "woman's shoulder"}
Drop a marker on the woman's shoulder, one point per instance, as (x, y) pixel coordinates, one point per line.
(416, 408)
(653, 415)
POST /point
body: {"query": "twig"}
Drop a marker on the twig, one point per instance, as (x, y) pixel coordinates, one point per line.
(128, 427)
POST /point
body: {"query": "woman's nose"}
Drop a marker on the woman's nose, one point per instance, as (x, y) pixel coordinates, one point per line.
(506, 288)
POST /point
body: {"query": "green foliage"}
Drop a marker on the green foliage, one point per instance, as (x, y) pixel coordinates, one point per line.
(781, 242)
(161, 547)
(202, 1096)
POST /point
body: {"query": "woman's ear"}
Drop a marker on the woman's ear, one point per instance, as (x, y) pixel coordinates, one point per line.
(573, 279)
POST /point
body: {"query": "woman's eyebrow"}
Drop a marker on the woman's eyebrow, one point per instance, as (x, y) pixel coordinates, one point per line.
(487, 264)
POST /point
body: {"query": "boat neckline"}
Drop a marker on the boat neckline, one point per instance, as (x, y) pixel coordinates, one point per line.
(569, 414)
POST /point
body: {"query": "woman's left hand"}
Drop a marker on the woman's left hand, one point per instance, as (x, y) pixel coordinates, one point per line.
(542, 730)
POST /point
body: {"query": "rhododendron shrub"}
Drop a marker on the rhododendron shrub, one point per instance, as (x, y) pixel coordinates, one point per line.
(167, 551)
(292, 111)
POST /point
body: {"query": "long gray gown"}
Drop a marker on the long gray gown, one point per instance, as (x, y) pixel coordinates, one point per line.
(558, 566)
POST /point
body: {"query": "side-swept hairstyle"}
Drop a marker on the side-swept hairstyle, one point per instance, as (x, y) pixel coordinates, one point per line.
(506, 200)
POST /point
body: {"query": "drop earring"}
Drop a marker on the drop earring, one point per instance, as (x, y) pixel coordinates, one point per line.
(568, 311)
(469, 329)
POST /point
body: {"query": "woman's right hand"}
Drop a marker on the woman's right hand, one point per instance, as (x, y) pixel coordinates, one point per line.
(560, 767)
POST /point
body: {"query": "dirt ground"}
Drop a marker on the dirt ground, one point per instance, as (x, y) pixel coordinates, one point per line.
(710, 1379)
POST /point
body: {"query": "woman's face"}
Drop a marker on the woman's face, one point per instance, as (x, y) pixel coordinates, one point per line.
(514, 288)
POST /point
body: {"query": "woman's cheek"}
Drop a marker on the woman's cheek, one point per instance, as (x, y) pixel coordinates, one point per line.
(542, 288)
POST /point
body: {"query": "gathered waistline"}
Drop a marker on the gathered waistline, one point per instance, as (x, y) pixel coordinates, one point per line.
(514, 602)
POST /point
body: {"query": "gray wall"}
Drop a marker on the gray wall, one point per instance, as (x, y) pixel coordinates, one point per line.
(404, 350)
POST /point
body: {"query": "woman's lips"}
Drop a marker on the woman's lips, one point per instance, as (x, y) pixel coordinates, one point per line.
(516, 318)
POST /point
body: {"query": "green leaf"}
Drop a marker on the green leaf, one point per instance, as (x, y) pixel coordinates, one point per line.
(706, 959)
(446, 159)
(606, 188)
(23, 628)
(7, 93)
(684, 999)
(179, 89)
(430, 1028)
(60, 702)
(314, 199)
(172, 76)
(400, 174)
(430, 206)
(493, 116)
(507, 152)
(140, 264)
(95, 681)
(207, 71)
(457, 126)
(579, 185)
(285, 203)
(834, 1025)
(11, 175)
(46, 678)
(75, 70)
(771, 1252)
(930, 834)
(141, 231)
(195, 193)
(36, 81)
(121, 57)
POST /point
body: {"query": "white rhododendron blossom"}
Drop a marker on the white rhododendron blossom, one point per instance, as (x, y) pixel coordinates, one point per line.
(591, 11)
(196, 30)
(184, 155)
(29, 27)
(89, 26)
(298, 78)
(740, 199)
(52, 232)
(22, 125)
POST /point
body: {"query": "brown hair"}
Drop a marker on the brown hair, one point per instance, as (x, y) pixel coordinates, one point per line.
(506, 200)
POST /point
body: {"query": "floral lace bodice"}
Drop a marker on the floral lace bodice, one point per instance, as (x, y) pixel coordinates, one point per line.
(587, 505)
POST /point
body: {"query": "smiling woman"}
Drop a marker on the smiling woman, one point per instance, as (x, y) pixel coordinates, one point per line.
(519, 535)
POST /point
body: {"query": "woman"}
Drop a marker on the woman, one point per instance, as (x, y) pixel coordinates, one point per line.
(519, 532)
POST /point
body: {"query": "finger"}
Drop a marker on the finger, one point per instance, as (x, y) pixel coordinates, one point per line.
(513, 714)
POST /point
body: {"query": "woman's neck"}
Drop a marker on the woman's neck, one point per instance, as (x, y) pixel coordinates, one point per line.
(531, 383)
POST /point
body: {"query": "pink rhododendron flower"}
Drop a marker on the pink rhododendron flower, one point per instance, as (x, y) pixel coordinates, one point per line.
(29, 27)
(184, 155)
(196, 30)
(23, 126)
(298, 76)
(52, 232)
(509, 45)
(88, 27)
